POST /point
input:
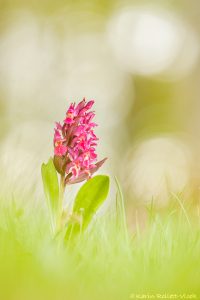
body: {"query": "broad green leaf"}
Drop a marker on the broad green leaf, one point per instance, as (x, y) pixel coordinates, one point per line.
(51, 186)
(89, 198)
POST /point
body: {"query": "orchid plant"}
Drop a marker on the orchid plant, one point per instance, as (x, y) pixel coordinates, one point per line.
(74, 161)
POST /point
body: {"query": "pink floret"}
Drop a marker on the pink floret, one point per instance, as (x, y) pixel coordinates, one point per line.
(60, 150)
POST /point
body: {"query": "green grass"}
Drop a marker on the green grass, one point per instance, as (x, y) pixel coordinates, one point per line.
(106, 262)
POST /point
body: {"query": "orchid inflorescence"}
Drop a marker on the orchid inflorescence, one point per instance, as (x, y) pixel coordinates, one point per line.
(75, 144)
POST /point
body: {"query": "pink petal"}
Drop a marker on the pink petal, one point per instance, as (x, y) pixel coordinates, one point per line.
(57, 135)
(83, 175)
(89, 104)
(58, 126)
(60, 150)
(68, 120)
(80, 106)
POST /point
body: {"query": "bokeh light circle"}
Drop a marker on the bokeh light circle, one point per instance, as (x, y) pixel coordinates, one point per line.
(150, 41)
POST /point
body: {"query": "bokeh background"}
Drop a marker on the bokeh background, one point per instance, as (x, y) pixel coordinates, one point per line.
(139, 60)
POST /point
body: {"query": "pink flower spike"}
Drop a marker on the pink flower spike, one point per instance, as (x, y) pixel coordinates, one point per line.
(75, 144)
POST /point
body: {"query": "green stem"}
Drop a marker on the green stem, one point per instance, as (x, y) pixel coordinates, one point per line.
(60, 204)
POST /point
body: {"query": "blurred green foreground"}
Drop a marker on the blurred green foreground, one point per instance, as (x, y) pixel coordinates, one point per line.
(104, 263)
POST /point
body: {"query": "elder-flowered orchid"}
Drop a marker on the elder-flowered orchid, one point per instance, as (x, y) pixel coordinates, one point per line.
(75, 144)
(75, 159)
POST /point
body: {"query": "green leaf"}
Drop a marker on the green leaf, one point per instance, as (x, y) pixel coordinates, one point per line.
(51, 187)
(89, 198)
